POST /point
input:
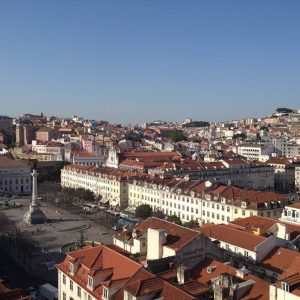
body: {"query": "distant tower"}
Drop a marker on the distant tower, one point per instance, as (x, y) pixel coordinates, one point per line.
(34, 215)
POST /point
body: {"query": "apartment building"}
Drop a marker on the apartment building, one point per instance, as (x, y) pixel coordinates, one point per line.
(291, 214)
(45, 134)
(255, 151)
(284, 173)
(203, 201)
(189, 200)
(255, 175)
(241, 246)
(87, 158)
(284, 147)
(158, 239)
(110, 183)
(54, 149)
(105, 272)
(267, 226)
(15, 177)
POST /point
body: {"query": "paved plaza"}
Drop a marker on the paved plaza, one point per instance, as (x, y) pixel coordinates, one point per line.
(63, 227)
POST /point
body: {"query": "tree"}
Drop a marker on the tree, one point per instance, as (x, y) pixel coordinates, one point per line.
(284, 110)
(191, 224)
(196, 124)
(143, 211)
(158, 214)
(174, 219)
(177, 136)
(85, 195)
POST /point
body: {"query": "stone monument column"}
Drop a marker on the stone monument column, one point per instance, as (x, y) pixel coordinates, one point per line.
(34, 215)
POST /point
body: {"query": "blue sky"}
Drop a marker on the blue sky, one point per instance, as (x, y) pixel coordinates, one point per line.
(133, 61)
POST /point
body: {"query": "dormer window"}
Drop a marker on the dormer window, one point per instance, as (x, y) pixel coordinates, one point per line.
(244, 204)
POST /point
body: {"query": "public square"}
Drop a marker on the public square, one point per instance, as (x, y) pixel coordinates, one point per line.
(63, 227)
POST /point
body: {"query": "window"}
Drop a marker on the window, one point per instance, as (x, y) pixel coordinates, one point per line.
(243, 212)
(89, 297)
(285, 286)
(105, 293)
(235, 211)
(64, 279)
(246, 254)
(227, 247)
(64, 296)
(71, 285)
(90, 281)
(79, 291)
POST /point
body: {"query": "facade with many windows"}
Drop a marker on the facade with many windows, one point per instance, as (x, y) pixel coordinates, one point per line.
(109, 183)
(201, 201)
(204, 201)
(15, 177)
(291, 214)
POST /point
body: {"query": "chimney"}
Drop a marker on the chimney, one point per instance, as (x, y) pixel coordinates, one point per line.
(155, 241)
(241, 273)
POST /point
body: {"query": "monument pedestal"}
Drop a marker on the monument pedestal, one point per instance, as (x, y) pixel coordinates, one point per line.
(34, 216)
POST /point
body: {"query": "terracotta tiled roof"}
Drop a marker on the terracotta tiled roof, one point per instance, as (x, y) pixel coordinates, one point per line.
(151, 155)
(295, 205)
(265, 224)
(278, 161)
(143, 282)
(232, 236)
(86, 154)
(282, 261)
(194, 287)
(170, 292)
(260, 289)
(102, 170)
(96, 261)
(177, 236)
(6, 162)
(237, 193)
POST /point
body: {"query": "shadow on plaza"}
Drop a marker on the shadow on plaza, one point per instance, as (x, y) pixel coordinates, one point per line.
(28, 261)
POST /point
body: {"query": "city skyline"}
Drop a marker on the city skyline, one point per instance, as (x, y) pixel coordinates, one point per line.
(146, 61)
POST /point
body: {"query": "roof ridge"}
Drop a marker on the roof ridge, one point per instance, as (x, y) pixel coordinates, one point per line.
(96, 257)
